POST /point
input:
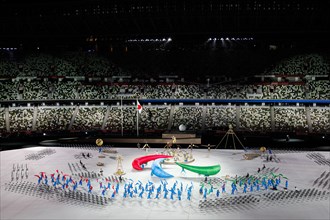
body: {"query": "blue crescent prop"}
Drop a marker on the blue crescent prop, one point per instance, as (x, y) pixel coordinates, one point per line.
(158, 171)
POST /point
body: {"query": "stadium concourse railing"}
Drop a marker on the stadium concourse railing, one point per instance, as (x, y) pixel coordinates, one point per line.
(300, 101)
(167, 101)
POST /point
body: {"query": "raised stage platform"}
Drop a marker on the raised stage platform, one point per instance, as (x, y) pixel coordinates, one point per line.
(179, 135)
(181, 138)
(153, 140)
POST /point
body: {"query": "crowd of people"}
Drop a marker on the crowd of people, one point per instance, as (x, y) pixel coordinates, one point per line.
(89, 118)
(159, 118)
(290, 119)
(305, 64)
(320, 119)
(67, 89)
(49, 119)
(255, 119)
(2, 120)
(67, 64)
(21, 119)
(32, 78)
(65, 76)
(220, 117)
(191, 117)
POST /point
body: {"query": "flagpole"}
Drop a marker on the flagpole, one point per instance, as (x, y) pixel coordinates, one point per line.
(122, 116)
(137, 119)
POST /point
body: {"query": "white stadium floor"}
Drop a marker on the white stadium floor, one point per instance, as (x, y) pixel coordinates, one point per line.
(23, 198)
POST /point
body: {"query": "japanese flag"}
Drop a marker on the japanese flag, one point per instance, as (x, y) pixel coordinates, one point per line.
(139, 107)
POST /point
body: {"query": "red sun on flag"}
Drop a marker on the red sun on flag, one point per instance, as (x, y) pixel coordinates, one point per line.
(139, 107)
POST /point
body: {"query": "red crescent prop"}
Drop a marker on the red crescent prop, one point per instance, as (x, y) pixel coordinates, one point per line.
(141, 160)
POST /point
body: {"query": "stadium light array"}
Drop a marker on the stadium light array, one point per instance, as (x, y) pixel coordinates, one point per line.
(148, 40)
(8, 48)
(230, 39)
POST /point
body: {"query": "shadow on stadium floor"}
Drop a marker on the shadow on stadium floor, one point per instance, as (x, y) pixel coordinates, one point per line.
(276, 141)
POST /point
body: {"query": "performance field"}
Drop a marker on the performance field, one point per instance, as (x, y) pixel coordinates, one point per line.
(163, 183)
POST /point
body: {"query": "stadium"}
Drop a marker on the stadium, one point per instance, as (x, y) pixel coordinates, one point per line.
(245, 79)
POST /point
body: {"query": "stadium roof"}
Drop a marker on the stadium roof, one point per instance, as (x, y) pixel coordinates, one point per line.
(193, 18)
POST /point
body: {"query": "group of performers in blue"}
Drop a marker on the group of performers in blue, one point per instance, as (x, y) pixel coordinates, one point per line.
(152, 190)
